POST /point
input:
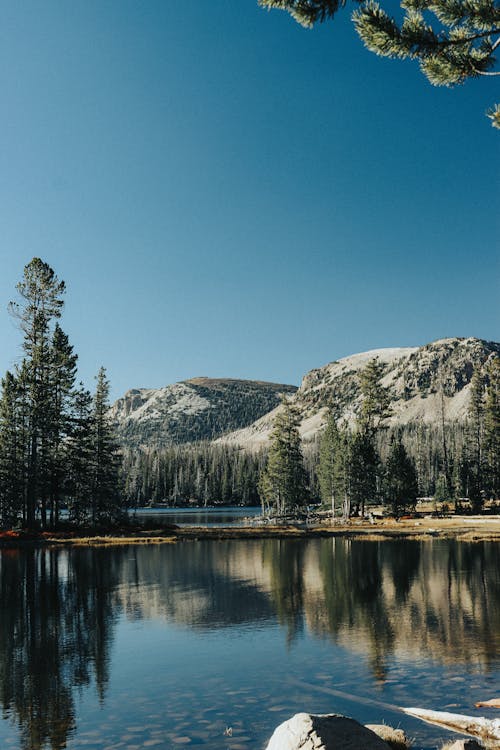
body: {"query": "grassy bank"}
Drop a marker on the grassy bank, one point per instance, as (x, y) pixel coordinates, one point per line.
(464, 528)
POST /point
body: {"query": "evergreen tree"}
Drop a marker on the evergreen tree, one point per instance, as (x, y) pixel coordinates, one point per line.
(401, 486)
(364, 464)
(41, 295)
(492, 427)
(80, 456)
(363, 452)
(62, 375)
(446, 459)
(282, 484)
(453, 40)
(441, 495)
(11, 453)
(329, 460)
(476, 426)
(51, 445)
(105, 495)
(343, 471)
(375, 408)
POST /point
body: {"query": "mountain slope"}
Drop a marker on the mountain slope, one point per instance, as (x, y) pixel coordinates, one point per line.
(421, 381)
(197, 409)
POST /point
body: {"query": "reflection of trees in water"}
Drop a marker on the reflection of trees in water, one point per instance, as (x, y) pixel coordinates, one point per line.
(285, 560)
(55, 633)
(439, 599)
(436, 599)
(352, 582)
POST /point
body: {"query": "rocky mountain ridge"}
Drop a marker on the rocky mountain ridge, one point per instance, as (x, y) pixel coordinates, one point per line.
(192, 410)
(422, 381)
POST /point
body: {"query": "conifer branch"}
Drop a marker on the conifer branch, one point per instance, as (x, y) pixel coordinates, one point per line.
(457, 48)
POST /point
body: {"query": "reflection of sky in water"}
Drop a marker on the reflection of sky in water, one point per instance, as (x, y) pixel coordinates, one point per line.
(181, 641)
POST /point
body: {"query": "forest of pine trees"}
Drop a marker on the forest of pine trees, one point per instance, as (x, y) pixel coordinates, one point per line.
(456, 464)
(202, 473)
(57, 448)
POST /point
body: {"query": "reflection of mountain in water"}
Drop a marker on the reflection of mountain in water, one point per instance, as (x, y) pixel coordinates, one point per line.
(369, 596)
(439, 600)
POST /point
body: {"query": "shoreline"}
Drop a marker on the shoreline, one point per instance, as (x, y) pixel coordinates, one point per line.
(460, 528)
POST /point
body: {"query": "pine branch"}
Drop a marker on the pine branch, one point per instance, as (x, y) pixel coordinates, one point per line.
(461, 47)
(306, 12)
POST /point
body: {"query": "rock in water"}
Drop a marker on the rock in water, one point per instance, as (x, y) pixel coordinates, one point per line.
(326, 732)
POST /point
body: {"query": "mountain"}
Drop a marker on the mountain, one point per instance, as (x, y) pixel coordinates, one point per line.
(422, 382)
(197, 409)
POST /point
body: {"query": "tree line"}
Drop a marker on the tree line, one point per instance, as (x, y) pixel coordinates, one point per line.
(204, 473)
(455, 463)
(57, 447)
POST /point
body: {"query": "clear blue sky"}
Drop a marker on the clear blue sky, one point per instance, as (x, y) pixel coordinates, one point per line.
(228, 194)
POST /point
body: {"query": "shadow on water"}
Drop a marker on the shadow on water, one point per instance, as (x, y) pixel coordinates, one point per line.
(434, 601)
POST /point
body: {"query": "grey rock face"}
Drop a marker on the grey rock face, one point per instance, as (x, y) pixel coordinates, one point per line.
(423, 384)
(193, 410)
(325, 732)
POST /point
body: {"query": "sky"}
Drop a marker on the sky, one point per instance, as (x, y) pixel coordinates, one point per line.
(227, 194)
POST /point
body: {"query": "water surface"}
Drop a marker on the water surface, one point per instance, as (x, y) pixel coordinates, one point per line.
(167, 646)
(209, 517)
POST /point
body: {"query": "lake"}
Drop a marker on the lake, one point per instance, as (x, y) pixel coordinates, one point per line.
(223, 515)
(166, 646)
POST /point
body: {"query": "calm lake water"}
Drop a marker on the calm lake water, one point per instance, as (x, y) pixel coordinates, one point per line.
(166, 646)
(210, 517)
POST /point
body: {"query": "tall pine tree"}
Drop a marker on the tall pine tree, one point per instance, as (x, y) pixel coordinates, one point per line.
(476, 429)
(492, 427)
(106, 462)
(401, 485)
(41, 295)
(282, 485)
(329, 462)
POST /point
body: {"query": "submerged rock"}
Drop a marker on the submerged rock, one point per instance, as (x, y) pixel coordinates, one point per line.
(325, 732)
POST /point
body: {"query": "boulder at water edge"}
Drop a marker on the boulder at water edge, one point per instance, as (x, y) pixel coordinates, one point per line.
(325, 732)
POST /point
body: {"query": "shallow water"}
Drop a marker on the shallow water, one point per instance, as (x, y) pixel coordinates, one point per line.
(167, 646)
